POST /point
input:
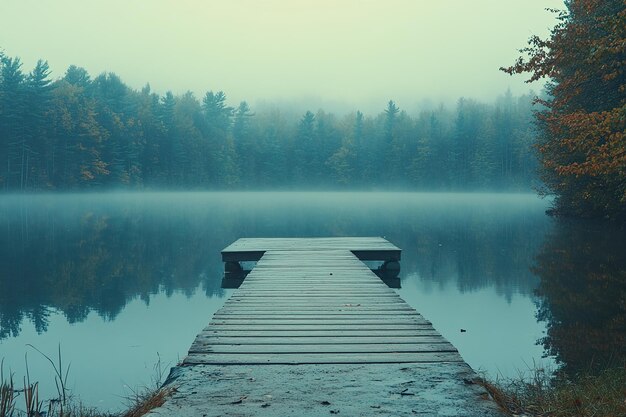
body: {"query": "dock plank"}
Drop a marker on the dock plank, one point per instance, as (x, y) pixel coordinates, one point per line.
(310, 340)
(317, 321)
(319, 315)
(364, 248)
(221, 332)
(315, 327)
(319, 358)
(316, 348)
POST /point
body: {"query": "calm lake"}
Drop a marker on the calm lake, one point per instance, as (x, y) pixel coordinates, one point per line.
(124, 281)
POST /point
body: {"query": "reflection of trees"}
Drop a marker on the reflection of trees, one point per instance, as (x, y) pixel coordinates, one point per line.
(583, 295)
(84, 254)
(482, 248)
(489, 255)
(472, 242)
(97, 262)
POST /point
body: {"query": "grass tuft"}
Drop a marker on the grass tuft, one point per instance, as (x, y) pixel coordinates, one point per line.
(598, 395)
(144, 402)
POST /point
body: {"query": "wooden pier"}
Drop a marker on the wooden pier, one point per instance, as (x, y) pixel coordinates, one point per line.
(311, 306)
(312, 301)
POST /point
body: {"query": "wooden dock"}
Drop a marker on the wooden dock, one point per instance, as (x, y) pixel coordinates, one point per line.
(311, 306)
(312, 301)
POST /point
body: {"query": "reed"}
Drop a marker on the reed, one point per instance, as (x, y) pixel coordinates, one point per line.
(139, 402)
(7, 393)
(31, 394)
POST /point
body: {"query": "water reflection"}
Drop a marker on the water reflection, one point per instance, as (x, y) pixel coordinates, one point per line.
(470, 260)
(83, 253)
(77, 256)
(582, 268)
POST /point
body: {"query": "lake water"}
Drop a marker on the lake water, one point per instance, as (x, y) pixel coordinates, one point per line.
(123, 281)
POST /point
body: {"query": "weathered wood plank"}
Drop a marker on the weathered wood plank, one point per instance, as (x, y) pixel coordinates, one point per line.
(318, 315)
(318, 321)
(221, 332)
(321, 303)
(322, 291)
(364, 248)
(281, 309)
(317, 304)
(315, 243)
(314, 286)
(323, 348)
(328, 293)
(319, 340)
(294, 359)
(272, 297)
(303, 279)
(317, 327)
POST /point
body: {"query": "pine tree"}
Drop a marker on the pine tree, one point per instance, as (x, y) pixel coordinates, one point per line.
(13, 113)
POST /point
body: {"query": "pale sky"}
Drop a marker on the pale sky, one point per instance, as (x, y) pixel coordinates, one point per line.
(355, 52)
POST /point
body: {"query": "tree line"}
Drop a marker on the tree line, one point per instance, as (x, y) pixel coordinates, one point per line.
(79, 132)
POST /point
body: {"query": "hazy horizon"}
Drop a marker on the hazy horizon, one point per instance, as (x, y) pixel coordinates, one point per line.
(332, 55)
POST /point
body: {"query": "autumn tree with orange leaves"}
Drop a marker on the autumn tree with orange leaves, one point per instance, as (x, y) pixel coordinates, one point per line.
(582, 143)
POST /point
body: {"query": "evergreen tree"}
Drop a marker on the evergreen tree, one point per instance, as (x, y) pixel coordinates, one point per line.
(246, 145)
(77, 76)
(166, 157)
(38, 86)
(304, 150)
(13, 113)
(218, 124)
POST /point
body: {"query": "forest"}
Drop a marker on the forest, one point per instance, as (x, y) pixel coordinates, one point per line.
(79, 133)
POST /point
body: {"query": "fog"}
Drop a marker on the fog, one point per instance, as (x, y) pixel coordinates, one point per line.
(332, 54)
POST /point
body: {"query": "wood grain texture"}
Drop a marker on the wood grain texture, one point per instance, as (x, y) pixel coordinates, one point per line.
(315, 349)
(319, 340)
(319, 358)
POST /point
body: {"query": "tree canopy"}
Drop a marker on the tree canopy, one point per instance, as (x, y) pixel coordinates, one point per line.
(582, 142)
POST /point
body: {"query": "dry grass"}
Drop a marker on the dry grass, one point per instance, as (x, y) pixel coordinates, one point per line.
(147, 401)
(600, 395)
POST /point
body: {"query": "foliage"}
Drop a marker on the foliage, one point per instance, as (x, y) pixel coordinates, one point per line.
(582, 143)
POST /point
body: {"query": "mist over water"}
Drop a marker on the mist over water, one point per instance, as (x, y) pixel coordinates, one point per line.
(118, 277)
(125, 280)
